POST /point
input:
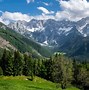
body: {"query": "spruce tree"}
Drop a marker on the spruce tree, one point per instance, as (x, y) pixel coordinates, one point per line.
(26, 67)
(49, 69)
(4, 61)
(9, 68)
(7, 63)
(18, 63)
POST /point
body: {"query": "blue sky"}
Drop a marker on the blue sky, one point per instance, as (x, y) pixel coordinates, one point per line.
(14, 10)
(24, 7)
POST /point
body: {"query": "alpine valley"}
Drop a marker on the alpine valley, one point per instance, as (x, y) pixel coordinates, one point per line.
(44, 44)
(12, 40)
(65, 36)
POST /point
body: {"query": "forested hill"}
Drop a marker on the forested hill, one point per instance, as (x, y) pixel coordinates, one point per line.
(21, 43)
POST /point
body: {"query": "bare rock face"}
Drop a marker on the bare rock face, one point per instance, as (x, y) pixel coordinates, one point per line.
(6, 44)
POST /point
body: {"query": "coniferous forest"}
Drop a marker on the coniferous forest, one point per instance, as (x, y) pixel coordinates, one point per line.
(58, 68)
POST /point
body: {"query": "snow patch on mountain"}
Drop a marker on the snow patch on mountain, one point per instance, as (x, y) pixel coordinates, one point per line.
(45, 42)
(35, 29)
(23, 26)
(51, 32)
(80, 29)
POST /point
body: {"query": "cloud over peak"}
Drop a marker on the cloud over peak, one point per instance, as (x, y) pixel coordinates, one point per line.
(15, 16)
(6, 17)
(73, 9)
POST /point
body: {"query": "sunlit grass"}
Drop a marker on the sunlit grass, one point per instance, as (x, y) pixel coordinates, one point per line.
(22, 83)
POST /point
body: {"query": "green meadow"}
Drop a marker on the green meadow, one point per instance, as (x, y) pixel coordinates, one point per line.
(23, 83)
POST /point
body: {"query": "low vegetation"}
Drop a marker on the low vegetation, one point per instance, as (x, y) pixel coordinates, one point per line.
(22, 83)
(58, 69)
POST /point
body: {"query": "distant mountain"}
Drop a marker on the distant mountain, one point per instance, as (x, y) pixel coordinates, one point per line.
(66, 36)
(83, 26)
(45, 32)
(12, 40)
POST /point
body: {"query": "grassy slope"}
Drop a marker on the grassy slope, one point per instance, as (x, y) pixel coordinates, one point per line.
(20, 83)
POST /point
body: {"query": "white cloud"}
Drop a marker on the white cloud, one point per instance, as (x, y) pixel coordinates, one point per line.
(45, 11)
(1, 11)
(44, 17)
(47, 4)
(73, 9)
(6, 17)
(15, 16)
(28, 1)
(1, 20)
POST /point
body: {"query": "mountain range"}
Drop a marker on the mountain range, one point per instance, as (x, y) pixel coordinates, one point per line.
(65, 36)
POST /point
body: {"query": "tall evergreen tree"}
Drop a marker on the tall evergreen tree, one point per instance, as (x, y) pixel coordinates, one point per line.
(43, 72)
(26, 67)
(49, 68)
(7, 63)
(31, 68)
(4, 61)
(9, 68)
(18, 63)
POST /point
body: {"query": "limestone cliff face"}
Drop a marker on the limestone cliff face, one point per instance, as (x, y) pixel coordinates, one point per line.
(6, 44)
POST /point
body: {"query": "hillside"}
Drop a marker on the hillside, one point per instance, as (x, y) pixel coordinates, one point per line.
(6, 44)
(21, 43)
(22, 83)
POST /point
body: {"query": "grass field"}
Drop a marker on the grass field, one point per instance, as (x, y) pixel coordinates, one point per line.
(21, 83)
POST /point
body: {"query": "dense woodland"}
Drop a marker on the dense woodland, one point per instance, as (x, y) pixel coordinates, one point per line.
(58, 68)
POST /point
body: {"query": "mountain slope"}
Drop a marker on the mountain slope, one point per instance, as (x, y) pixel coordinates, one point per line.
(45, 32)
(21, 43)
(6, 44)
(66, 36)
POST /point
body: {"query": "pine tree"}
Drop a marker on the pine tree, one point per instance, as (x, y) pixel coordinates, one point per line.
(26, 67)
(4, 61)
(9, 68)
(38, 67)
(49, 68)
(18, 63)
(43, 72)
(31, 69)
(7, 63)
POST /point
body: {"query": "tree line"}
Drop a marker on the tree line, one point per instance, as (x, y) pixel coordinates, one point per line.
(58, 68)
